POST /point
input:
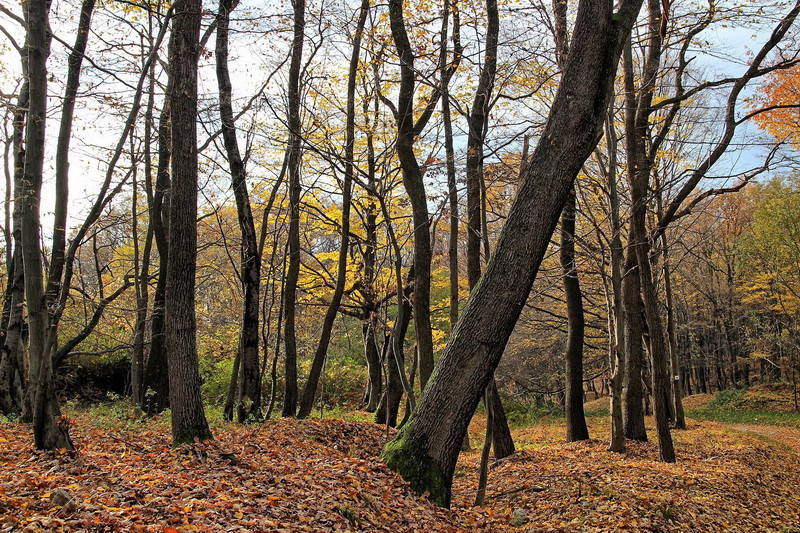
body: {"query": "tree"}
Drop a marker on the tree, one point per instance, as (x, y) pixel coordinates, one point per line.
(293, 166)
(310, 390)
(188, 415)
(573, 403)
(638, 111)
(50, 432)
(249, 397)
(425, 451)
(408, 129)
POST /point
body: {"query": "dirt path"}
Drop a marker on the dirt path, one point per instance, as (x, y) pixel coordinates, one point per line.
(785, 435)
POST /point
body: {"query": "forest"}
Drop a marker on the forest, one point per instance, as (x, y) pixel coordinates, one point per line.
(448, 266)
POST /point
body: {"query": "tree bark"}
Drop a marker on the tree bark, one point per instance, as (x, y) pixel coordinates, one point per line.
(50, 431)
(426, 449)
(407, 132)
(477, 123)
(632, 392)
(13, 373)
(74, 62)
(248, 400)
(188, 415)
(293, 166)
(640, 165)
(155, 377)
(573, 403)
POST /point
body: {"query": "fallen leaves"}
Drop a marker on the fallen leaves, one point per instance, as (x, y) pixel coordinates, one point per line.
(722, 481)
(325, 475)
(285, 475)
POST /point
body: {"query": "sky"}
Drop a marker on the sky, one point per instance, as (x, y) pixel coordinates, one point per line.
(97, 128)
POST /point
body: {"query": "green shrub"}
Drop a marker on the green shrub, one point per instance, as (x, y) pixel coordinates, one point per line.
(522, 413)
(727, 398)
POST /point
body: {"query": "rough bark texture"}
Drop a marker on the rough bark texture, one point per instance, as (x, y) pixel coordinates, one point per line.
(155, 378)
(50, 431)
(576, 420)
(188, 416)
(13, 373)
(426, 450)
(639, 169)
(632, 391)
(293, 165)
(248, 400)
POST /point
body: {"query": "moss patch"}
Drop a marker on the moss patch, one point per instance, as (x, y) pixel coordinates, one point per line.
(407, 455)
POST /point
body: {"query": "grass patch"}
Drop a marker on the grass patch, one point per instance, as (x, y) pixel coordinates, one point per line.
(744, 406)
(744, 416)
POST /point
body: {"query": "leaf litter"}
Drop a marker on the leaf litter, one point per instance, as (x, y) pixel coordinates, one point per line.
(326, 475)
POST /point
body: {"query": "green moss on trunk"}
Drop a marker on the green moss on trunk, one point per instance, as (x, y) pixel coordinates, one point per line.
(407, 455)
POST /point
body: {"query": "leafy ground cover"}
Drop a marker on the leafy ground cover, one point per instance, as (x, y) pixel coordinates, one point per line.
(325, 475)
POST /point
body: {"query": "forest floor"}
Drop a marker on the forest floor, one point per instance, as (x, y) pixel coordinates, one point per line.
(326, 475)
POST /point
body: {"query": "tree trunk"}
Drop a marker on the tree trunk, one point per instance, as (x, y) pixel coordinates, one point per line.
(188, 415)
(50, 431)
(675, 371)
(371, 308)
(639, 168)
(394, 356)
(293, 166)
(632, 392)
(248, 400)
(573, 405)
(13, 373)
(426, 449)
(573, 401)
(307, 402)
(407, 132)
(477, 123)
(155, 377)
(373, 357)
(74, 62)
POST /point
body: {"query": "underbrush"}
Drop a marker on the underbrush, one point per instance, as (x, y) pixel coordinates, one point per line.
(764, 404)
(522, 414)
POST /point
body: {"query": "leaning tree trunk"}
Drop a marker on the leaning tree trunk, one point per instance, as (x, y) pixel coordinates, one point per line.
(188, 415)
(426, 449)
